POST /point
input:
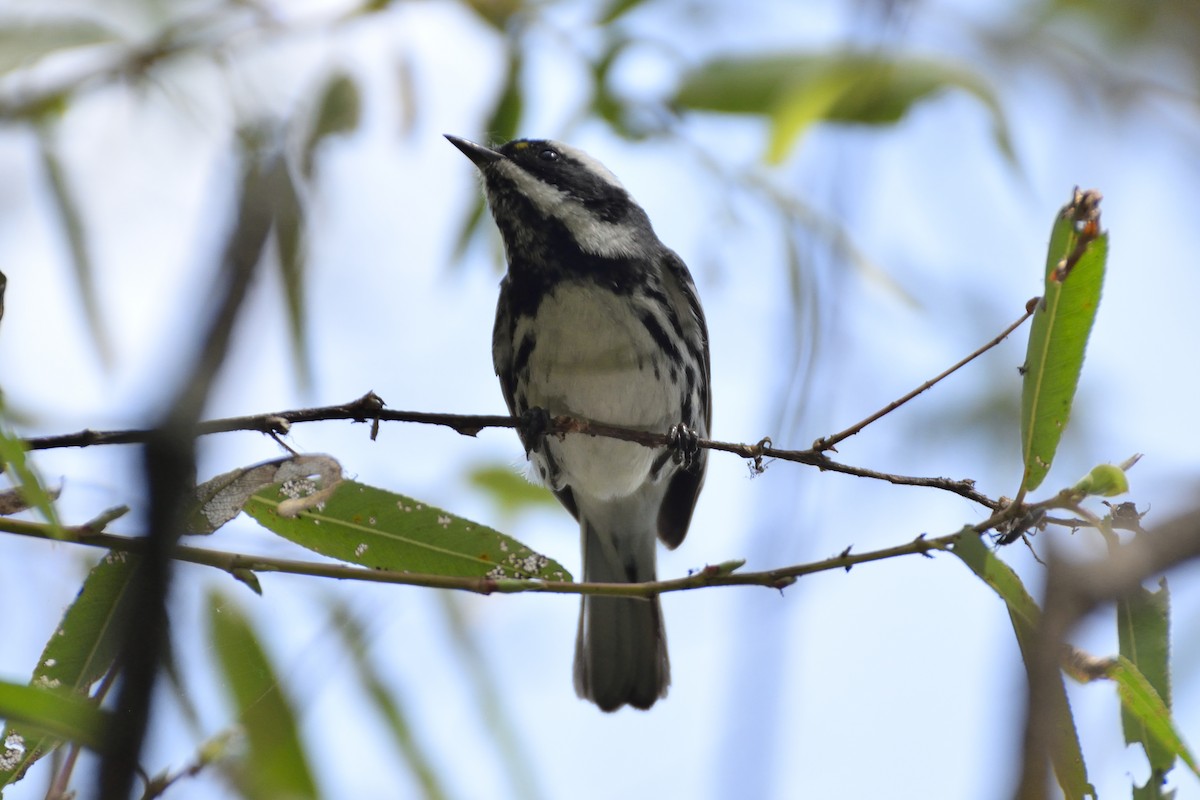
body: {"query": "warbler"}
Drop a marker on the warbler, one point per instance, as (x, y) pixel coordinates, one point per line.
(598, 320)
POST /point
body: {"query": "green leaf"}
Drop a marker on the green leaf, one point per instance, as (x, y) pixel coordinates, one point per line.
(23, 41)
(1059, 333)
(26, 478)
(1143, 631)
(53, 714)
(382, 530)
(506, 116)
(795, 91)
(616, 9)
(1151, 718)
(73, 227)
(289, 233)
(1023, 611)
(81, 651)
(409, 745)
(339, 111)
(275, 765)
(509, 490)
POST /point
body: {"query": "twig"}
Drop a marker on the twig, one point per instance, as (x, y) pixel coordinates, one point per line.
(716, 575)
(830, 442)
(370, 408)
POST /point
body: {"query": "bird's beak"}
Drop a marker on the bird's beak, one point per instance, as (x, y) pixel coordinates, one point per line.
(481, 156)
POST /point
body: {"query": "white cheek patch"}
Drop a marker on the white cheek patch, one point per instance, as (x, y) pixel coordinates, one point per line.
(605, 239)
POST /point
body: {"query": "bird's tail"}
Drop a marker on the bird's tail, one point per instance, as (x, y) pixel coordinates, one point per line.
(621, 648)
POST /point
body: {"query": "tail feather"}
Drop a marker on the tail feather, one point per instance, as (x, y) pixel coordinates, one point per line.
(621, 647)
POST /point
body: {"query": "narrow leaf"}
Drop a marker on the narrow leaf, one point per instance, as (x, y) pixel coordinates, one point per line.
(275, 765)
(24, 41)
(73, 226)
(389, 705)
(1066, 754)
(1143, 632)
(338, 111)
(1059, 332)
(1152, 719)
(50, 713)
(288, 229)
(28, 482)
(80, 652)
(506, 116)
(509, 490)
(382, 530)
(795, 91)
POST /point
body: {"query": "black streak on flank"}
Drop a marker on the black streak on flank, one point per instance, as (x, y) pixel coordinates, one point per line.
(665, 343)
(524, 351)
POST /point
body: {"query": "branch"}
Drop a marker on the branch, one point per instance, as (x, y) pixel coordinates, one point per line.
(370, 408)
(237, 564)
(830, 442)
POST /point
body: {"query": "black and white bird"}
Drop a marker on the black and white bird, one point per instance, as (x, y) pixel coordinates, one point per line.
(599, 320)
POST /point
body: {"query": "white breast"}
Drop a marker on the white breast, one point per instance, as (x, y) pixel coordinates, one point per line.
(594, 359)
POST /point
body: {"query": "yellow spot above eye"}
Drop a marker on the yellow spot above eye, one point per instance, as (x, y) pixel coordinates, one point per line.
(520, 145)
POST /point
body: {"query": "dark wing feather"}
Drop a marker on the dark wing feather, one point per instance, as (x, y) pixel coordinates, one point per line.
(683, 488)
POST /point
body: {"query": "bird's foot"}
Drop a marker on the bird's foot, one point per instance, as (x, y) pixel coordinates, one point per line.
(684, 444)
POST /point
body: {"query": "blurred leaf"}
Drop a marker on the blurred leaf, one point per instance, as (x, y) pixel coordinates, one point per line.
(3, 289)
(73, 227)
(288, 229)
(502, 125)
(1105, 480)
(52, 714)
(275, 765)
(1143, 631)
(605, 104)
(388, 703)
(509, 490)
(1151, 717)
(378, 529)
(27, 480)
(1023, 611)
(796, 91)
(616, 9)
(222, 498)
(1059, 333)
(496, 13)
(338, 112)
(23, 41)
(473, 220)
(81, 651)
(520, 769)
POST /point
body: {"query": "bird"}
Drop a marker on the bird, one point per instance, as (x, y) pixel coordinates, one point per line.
(599, 321)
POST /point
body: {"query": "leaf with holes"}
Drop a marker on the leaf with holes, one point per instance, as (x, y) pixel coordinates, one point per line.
(382, 530)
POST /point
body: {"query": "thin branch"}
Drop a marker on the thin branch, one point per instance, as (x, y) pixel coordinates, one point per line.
(724, 574)
(369, 408)
(831, 442)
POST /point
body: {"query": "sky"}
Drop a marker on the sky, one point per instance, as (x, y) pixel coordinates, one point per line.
(897, 679)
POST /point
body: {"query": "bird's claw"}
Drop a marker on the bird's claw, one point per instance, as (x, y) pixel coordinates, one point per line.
(533, 426)
(684, 444)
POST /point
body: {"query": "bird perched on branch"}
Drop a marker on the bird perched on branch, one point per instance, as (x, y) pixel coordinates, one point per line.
(599, 320)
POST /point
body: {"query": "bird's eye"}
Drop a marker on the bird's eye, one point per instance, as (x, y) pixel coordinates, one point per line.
(548, 155)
